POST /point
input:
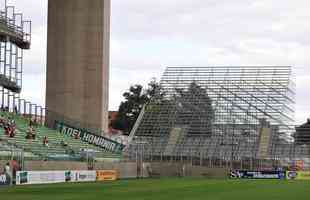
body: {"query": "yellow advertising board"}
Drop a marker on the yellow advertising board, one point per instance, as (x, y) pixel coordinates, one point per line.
(106, 175)
(298, 175)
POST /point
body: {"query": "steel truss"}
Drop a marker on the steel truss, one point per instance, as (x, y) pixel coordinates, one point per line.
(219, 115)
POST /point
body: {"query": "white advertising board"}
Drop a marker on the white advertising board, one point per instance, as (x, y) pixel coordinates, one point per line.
(83, 176)
(40, 177)
(3, 180)
(46, 177)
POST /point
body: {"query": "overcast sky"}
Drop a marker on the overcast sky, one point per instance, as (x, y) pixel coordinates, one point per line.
(148, 35)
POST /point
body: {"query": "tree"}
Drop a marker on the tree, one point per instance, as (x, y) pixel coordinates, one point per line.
(135, 98)
(194, 109)
(189, 108)
(154, 90)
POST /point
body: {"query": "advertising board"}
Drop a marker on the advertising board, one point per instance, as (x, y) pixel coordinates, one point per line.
(244, 174)
(83, 176)
(4, 180)
(41, 177)
(106, 175)
(46, 177)
(298, 175)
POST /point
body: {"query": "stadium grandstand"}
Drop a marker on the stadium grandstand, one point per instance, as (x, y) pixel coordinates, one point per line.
(202, 120)
(238, 117)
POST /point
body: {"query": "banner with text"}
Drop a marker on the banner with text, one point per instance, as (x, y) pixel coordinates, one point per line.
(89, 137)
(243, 174)
(298, 175)
(106, 175)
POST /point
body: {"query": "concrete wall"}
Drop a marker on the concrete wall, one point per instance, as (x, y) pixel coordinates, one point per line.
(197, 171)
(179, 169)
(78, 62)
(54, 165)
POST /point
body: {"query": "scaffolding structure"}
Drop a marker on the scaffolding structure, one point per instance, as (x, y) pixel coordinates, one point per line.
(15, 37)
(219, 116)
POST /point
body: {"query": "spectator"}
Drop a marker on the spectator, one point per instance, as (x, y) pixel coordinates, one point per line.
(12, 122)
(2, 121)
(31, 123)
(35, 122)
(34, 135)
(15, 110)
(28, 135)
(76, 136)
(15, 168)
(45, 141)
(11, 131)
(7, 130)
(63, 143)
(31, 133)
(7, 171)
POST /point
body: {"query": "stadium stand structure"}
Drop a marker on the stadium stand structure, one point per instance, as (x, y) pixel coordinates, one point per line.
(73, 149)
(227, 115)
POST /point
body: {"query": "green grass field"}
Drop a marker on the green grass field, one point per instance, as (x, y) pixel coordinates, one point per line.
(165, 189)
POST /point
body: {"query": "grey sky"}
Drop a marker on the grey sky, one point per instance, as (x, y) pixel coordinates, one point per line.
(148, 35)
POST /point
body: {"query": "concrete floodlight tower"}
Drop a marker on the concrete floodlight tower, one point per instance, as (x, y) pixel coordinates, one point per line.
(78, 62)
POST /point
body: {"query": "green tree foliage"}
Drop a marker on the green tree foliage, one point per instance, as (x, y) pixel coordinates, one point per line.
(190, 108)
(135, 98)
(194, 109)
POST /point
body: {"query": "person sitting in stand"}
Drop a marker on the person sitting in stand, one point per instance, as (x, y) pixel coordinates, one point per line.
(34, 134)
(15, 110)
(45, 141)
(31, 123)
(11, 132)
(63, 143)
(12, 122)
(30, 133)
(35, 122)
(2, 121)
(14, 129)
(76, 136)
(7, 130)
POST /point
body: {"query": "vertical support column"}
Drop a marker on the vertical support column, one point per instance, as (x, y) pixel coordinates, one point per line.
(78, 62)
